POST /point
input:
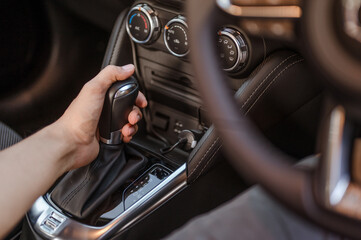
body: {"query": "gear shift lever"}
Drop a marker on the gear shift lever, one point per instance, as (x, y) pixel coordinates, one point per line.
(118, 103)
(82, 191)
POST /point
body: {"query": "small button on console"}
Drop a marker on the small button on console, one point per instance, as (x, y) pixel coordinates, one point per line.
(52, 222)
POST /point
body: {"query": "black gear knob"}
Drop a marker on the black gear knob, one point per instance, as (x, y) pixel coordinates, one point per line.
(118, 103)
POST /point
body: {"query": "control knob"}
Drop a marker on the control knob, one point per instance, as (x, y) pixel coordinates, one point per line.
(143, 24)
(176, 36)
(232, 48)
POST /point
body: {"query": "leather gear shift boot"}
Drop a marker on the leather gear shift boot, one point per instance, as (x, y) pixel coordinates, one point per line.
(83, 190)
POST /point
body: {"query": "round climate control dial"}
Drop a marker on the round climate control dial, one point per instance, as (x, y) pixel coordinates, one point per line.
(232, 48)
(143, 24)
(176, 36)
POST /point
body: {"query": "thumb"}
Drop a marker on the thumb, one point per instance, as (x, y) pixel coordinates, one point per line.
(111, 74)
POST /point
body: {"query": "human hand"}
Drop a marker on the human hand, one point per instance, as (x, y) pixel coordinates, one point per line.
(81, 119)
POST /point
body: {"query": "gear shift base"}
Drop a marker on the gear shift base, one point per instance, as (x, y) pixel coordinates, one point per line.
(83, 190)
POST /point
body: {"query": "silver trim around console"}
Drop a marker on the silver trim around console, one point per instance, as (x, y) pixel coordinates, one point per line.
(154, 28)
(69, 228)
(116, 137)
(337, 177)
(261, 11)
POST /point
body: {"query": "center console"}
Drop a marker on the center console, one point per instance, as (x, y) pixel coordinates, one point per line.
(165, 76)
(154, 36)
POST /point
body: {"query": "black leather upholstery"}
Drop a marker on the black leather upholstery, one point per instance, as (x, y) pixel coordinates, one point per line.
(82, 190)
(7, 136)
(277, 88)
(118, 51)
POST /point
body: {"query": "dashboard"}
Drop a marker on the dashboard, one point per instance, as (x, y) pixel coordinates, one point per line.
(144, 27)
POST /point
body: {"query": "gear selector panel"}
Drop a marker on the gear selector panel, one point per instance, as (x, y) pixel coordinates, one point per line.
(140, 187)
(145, 184)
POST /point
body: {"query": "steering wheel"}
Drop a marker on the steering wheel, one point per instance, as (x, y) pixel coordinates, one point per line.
(328, 33)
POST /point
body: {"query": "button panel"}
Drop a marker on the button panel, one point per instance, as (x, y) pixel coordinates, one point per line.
(52, 222)
(228, 52)
(145, 184)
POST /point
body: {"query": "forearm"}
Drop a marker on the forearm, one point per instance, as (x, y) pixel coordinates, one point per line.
(28, 169)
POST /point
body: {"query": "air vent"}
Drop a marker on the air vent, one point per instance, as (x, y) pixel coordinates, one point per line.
(173, 3)
(175, 80)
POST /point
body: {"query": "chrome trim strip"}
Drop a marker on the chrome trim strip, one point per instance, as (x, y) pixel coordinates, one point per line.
(116, 137)
(265, 11)
(336, 171)
(72, 229)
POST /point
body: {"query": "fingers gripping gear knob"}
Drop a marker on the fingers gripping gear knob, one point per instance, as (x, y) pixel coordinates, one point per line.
(118, 103)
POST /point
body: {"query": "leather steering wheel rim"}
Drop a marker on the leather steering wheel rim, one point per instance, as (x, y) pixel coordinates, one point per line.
(248, 151)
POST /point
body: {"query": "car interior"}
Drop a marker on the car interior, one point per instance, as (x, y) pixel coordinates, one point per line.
(238, 91)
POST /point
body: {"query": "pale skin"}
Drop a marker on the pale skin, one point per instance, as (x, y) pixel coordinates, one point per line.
(30, 167)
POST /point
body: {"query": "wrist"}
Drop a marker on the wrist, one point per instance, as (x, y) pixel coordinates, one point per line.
(59, 139)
